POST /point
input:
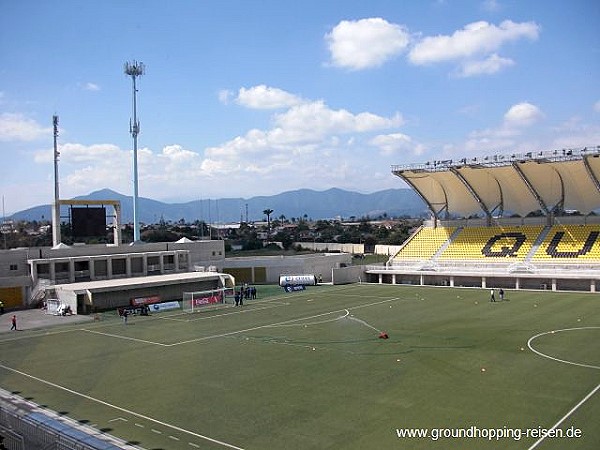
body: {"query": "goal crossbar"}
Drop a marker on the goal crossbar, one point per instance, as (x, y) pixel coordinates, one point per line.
(193, 301)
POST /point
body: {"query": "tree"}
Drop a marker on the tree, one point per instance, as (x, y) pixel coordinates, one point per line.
(268, 212)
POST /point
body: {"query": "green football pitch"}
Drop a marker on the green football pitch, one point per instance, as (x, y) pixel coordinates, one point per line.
(307, 370)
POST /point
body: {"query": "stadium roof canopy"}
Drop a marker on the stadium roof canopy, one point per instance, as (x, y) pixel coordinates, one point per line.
(546, 181)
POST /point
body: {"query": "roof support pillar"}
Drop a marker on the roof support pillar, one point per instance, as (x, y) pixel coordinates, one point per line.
(472, 191)
(539, 199)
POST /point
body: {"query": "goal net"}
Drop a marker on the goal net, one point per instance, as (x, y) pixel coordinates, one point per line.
(52, 306)
(193, 301)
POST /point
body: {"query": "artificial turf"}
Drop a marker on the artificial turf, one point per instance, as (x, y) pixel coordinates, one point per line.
(306, 370)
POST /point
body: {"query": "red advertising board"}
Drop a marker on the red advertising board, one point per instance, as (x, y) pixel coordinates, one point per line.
(145, 300)
(209, 300)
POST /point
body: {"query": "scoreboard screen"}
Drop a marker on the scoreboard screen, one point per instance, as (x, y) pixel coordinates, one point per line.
(88, 222)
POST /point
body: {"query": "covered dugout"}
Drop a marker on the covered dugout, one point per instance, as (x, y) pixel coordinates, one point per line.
(91, 296)
(549, 182)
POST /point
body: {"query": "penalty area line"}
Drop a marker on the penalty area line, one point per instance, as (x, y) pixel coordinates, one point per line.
(127, 338)
(118, 408)
(575, 408)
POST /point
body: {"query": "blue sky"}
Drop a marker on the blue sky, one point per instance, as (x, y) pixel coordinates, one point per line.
(245, 98)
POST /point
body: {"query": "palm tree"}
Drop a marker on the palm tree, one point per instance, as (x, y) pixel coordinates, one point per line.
(268, 212)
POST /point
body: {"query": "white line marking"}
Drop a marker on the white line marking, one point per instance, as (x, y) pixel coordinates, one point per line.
(246, 309)
(531, 339)
(539, 441)
(193, 445)
(366, 305)
(215, 336)
(283, 323)
(118, 408)
(118, 336)
(139, 425)
(311, 323)
(175, 438)
(156, 431)
(118, 418)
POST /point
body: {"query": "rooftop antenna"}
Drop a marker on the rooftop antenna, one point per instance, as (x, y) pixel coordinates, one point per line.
(56, 238)
(135, 69)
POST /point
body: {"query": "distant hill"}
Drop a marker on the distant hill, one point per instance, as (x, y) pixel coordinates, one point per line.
(328, 204)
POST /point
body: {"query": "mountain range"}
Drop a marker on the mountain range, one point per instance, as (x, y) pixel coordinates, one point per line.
(302, 203)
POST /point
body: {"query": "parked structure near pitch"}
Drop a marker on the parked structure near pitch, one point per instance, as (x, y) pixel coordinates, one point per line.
(297, 280)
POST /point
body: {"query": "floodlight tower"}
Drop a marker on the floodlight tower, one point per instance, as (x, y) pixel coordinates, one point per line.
(135, 69)
(56, 205)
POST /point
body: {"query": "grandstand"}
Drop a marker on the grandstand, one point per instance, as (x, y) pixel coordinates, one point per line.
(511, 221)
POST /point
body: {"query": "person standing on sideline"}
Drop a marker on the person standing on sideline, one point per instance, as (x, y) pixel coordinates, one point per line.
(14, 323)
(492, 296)
(125, 314)
(501, 294)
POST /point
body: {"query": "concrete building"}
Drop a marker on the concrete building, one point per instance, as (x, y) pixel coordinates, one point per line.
(25, 273)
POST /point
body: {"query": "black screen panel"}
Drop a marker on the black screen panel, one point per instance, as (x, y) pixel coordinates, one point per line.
(88, 222)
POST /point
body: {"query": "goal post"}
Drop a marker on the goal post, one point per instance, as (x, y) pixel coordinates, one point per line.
(52, 306)
(194, 301)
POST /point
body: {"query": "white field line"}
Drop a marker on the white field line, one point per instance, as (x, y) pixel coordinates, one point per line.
(230, 333)
(119, 336)
(277, 324)
(283, 323)
(175, 316)
(118, 408)
(586, 398)
(246, 309)
(310, 323)
(36, 334)
(531, 339)
(375, 303)
(245, 330)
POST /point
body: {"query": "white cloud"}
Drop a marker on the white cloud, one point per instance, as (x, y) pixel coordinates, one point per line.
(265, 97)
(91, 87)
(312, 121)
(306, 138)
(597, 106)
(366, 43)
(522, 115)
(476, 39)
(84, 168)
(392, 143)
(491, 6)
(16, 127)
(574, 132)
(488, 66)
(71, 153)
(225, 96)
(509, 135)
(307, 144)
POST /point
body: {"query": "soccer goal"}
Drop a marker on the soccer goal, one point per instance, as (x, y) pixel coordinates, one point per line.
(193, 301)
(52, 306)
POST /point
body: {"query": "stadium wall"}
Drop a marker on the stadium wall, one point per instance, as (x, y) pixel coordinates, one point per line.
(346, 275)
(267, 269)
(555, 281)
(357, 249)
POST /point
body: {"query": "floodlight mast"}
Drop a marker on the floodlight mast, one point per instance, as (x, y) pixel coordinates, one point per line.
(56, 238)
(135, 69)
